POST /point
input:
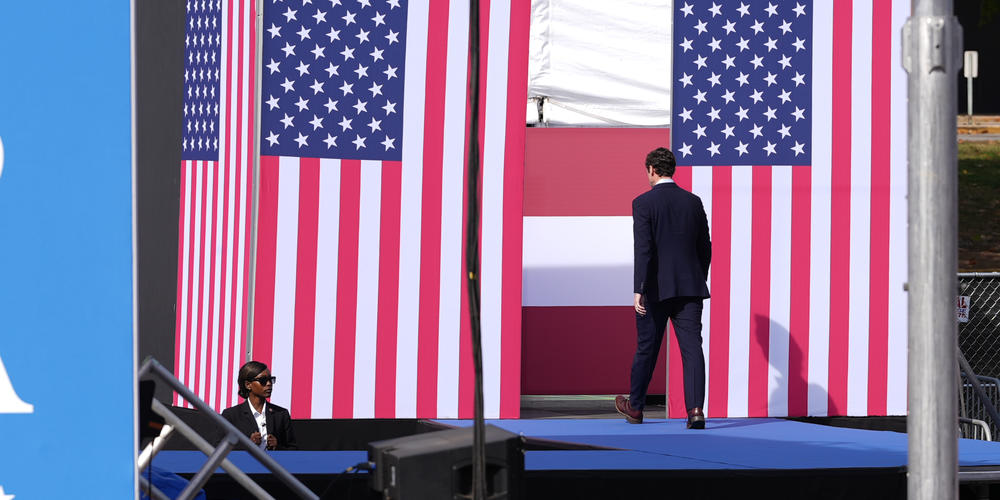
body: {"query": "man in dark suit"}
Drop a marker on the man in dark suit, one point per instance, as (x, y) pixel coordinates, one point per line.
(672, 254)
(266, 424)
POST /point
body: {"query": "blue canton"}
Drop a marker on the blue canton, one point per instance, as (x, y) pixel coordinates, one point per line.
(333, 78)
(742, 82)
(202, 43)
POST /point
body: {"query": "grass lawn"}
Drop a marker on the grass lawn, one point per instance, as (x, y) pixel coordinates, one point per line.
(979, 206)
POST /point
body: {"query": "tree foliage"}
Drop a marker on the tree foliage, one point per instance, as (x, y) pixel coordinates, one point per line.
(988, 11)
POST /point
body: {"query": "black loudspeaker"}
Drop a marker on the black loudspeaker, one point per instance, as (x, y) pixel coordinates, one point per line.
(438, 465)
(150, 423)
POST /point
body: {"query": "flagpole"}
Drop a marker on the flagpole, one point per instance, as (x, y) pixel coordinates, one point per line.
(254, 214)
(932, 50)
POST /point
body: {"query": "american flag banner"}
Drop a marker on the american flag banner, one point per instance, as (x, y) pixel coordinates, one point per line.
(789, 121)
(216, 197)
(360, 303)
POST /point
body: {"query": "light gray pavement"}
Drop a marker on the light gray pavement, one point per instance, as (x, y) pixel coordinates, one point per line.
(979, 137)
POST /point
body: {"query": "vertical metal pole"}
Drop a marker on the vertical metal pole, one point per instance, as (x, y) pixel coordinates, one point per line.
(968, 88)
(255, 200)
(932, 54)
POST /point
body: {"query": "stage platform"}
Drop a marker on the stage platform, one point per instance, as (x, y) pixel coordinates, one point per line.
(731, 458)
(748, 444)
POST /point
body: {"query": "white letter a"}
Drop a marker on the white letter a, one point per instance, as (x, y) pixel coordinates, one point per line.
(9, 401)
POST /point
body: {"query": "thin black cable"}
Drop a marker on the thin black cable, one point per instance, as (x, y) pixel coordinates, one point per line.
(472, 258)
(354, 469)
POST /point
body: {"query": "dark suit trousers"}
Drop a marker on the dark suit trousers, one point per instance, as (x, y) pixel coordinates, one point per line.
(685, 314)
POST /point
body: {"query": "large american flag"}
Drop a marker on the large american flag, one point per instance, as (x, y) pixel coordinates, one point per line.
(360, 306)
(808, 312)
(786, 124)
(215, 198)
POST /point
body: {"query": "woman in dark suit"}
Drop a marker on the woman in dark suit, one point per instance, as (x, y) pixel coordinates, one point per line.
(268, 425)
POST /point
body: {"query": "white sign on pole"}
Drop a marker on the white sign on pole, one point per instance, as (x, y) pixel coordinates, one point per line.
(962, 308)
(971, 66)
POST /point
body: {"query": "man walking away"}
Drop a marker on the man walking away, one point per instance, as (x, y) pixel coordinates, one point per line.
(672, 254)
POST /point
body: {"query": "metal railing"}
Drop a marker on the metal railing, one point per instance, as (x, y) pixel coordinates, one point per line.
(979, 338)
(972, 428)
(216, 455)
(979, 397)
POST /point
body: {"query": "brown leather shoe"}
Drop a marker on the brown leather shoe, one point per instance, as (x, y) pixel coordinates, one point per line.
(696, 419)
(632, 416)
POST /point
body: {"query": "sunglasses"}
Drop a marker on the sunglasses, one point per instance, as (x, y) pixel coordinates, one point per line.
(265, 380)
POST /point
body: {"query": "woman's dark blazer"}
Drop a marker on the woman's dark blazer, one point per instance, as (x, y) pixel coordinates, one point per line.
(277, 420)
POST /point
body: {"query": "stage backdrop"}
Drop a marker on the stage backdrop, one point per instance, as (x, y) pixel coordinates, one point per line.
(789, 120)
(67, 362)
(359, 303)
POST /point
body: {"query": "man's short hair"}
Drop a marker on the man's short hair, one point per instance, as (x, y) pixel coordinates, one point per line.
(662, 161)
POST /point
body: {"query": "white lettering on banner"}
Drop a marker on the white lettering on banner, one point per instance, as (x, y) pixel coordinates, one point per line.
(962, 308)
(9, 401)
(4, 496)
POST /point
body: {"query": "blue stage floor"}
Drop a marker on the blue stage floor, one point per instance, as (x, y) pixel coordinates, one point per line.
(745, 445)
(726, 444)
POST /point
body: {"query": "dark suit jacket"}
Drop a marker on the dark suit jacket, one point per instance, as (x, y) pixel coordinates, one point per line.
(672, 246)
(276, 418)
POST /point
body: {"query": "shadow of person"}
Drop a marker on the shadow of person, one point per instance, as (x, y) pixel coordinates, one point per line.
(789, 390)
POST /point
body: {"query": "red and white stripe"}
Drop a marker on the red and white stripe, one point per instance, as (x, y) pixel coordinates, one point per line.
(360, 303)
(807, 314)
(214, 229)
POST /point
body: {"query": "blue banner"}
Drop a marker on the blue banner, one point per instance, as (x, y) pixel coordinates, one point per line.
(66, 337)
